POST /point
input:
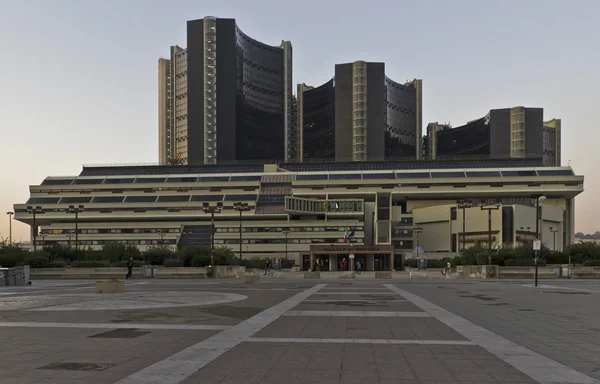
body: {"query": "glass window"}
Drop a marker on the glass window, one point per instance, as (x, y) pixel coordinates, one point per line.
(311, 177)
(148, 180)
(173, 198)
(119, 181)
(345, 176)
(43, 200)
(245, 178)
(213, 179)
(182, 179)
(75, 200)
(378, 176)
(484, 174)
(140, 199)
(57, 181)
(518, 173)
(207, 198)
(108, 199)
(88, 181)
(413, 175)
(555, 172)
(443, 175)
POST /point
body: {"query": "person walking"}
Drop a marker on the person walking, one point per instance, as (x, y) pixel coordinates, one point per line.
(448, 269)
(343, 264)
(267, 266)
(358, 267)
(129, 268)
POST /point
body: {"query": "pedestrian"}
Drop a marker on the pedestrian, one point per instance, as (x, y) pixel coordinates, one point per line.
(267, 266)
(358, 267)
(129, 268)
(447, 270)
(343, 264)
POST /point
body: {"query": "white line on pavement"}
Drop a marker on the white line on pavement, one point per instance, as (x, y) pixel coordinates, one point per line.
(540, 368)
(193, 327)
(356, 341)
(357, 314)
(182, 365)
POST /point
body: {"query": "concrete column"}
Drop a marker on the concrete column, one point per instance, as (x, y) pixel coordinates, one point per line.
(312, 262)
(392, 261)
(370, 263)
(332, 262)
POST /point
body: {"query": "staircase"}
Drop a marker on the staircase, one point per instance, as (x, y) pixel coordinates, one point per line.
(195, 235)
(273, 190)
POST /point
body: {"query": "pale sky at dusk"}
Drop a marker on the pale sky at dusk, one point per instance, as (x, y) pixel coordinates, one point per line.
(79, 77)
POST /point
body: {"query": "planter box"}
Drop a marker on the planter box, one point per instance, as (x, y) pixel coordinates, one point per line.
(383, 274)
(417, 275)
(312, 275)
(347, 275)
(110, 286)
(251, 279)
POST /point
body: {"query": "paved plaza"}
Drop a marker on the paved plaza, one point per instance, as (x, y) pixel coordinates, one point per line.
(293, 331)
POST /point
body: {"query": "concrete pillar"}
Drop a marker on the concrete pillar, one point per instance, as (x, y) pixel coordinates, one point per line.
(333, 262)
(370, 263)
(312, 262)
(392, 261)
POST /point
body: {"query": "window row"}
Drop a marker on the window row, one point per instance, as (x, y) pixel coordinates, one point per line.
(140, 199)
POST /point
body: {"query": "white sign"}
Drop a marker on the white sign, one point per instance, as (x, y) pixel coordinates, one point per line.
(537, 245)
(351, 256)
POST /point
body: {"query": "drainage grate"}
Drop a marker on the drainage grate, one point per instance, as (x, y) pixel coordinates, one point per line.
(120, 334)
(77, 366)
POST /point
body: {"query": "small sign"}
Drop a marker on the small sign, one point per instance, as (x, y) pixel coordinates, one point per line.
(351, 256)
(537, 245)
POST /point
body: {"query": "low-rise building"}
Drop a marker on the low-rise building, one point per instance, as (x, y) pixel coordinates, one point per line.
(288, 210)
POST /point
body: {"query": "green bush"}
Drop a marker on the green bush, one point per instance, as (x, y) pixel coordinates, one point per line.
(582, 252)
(123, 264)
(9, 260)
(90, 264)
(58, 263)
(592, 263)
(556, 257)
(224, 256)
(158, 255)
(172, 263)
(187, 253)
(38, 260)
(200, 261)
(524, 263)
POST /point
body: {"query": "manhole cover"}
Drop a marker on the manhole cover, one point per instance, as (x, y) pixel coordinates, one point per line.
(77, 366)
(120, 334)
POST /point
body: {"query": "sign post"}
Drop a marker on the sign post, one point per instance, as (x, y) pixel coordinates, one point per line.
(537, 246)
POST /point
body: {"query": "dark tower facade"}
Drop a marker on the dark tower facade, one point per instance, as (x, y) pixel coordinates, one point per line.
(239, 95)
(360, 115)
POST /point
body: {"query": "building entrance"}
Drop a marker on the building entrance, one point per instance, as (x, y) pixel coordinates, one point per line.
(371, 257)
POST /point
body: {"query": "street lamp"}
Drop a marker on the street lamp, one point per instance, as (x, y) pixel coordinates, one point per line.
(76, 210)
(241, 207)
(34, 211)
(464, 204)
(10, 215)
(537, 198)
(286, 232)
(554, 237)
(162, 236)
(69, 236)
(212, 209)
(490, 208)
(416, 231)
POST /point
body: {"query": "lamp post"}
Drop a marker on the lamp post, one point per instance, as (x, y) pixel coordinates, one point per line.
(69, 236)
(416, 231)
(162, 236)
(241, 207)
(286, 232)
(464, 204)
(554, 237)
(523, 229)
(490, 208)
(537, 198)
(34, 211)
(10, 215)
(76, 210)
(212, 209)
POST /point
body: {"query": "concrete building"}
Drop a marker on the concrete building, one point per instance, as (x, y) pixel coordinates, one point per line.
(295, 209)
(225, 98)
(360, 114)
(517, 132)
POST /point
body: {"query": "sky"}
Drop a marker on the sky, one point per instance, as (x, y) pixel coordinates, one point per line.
(78, 78)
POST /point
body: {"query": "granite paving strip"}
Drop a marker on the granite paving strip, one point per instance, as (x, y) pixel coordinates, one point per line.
(356, 341)
(183, 364)
(357, 313)
(195, 327)
(540, 368)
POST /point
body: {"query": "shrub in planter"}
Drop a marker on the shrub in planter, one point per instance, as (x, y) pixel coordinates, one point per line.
(89, 264)
(38, 261)
(524, 263)
(592, 263)
(188, 252)
(200, 261)
(158, 255)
